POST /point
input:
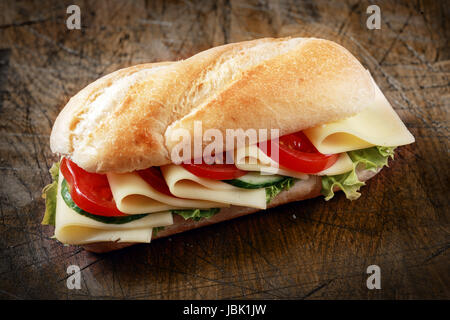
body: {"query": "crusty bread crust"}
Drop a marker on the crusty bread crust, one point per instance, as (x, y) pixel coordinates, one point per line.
(301, 190)
(124, 121)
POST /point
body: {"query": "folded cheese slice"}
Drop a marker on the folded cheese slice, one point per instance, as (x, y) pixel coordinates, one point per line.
(74, 228)
(377, 125)
(342, 165)
(252, 158)
(184, 184)
(133, 195)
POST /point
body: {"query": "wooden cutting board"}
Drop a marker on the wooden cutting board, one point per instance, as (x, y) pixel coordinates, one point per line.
(311, 249)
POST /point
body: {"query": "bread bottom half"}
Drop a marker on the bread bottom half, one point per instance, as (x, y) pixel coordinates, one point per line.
(301, 190)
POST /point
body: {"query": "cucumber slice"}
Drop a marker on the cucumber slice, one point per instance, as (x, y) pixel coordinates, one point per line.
(112, 220)
(255, 180)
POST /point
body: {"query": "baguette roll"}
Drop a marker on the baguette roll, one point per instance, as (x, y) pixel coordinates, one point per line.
(124, 121)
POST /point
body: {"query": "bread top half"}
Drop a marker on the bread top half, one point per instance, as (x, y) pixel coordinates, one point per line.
(123, 121)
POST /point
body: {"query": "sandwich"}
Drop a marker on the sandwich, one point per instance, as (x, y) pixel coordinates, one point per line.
(145, 151)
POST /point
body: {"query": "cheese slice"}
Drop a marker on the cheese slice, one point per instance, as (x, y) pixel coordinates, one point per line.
(184, 184)
(133, 196)
(377, 125)
(74, 228)
(342, 165)
(252, 158)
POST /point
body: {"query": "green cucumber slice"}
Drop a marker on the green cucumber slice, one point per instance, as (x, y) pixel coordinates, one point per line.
(111, 220)
(255, 180)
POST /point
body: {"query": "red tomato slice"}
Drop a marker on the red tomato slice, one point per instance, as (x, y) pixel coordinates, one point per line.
(297, 153)
(215, 171)
(90, 191)
(155, 179)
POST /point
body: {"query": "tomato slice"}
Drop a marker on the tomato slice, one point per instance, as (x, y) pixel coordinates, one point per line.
(297, 153)
(214, 171)
(90, 191)
(155, 179)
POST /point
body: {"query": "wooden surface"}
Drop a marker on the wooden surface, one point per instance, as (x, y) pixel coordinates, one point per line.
(310, 249)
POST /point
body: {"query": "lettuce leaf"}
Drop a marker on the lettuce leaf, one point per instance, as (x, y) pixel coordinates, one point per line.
(372, 159)
(274, 190)
(347, 182)
(49, 194)
(156, 230)
(196, 214)
(386, 151)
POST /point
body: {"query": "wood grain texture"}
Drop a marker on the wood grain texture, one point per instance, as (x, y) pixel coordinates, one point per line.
(306, 250)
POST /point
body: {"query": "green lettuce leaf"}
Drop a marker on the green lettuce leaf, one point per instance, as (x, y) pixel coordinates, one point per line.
(386, 151)
(347, 182)
(371, 158)
(274, 190)
(196, 214)
(49, 194)
(156, 230)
